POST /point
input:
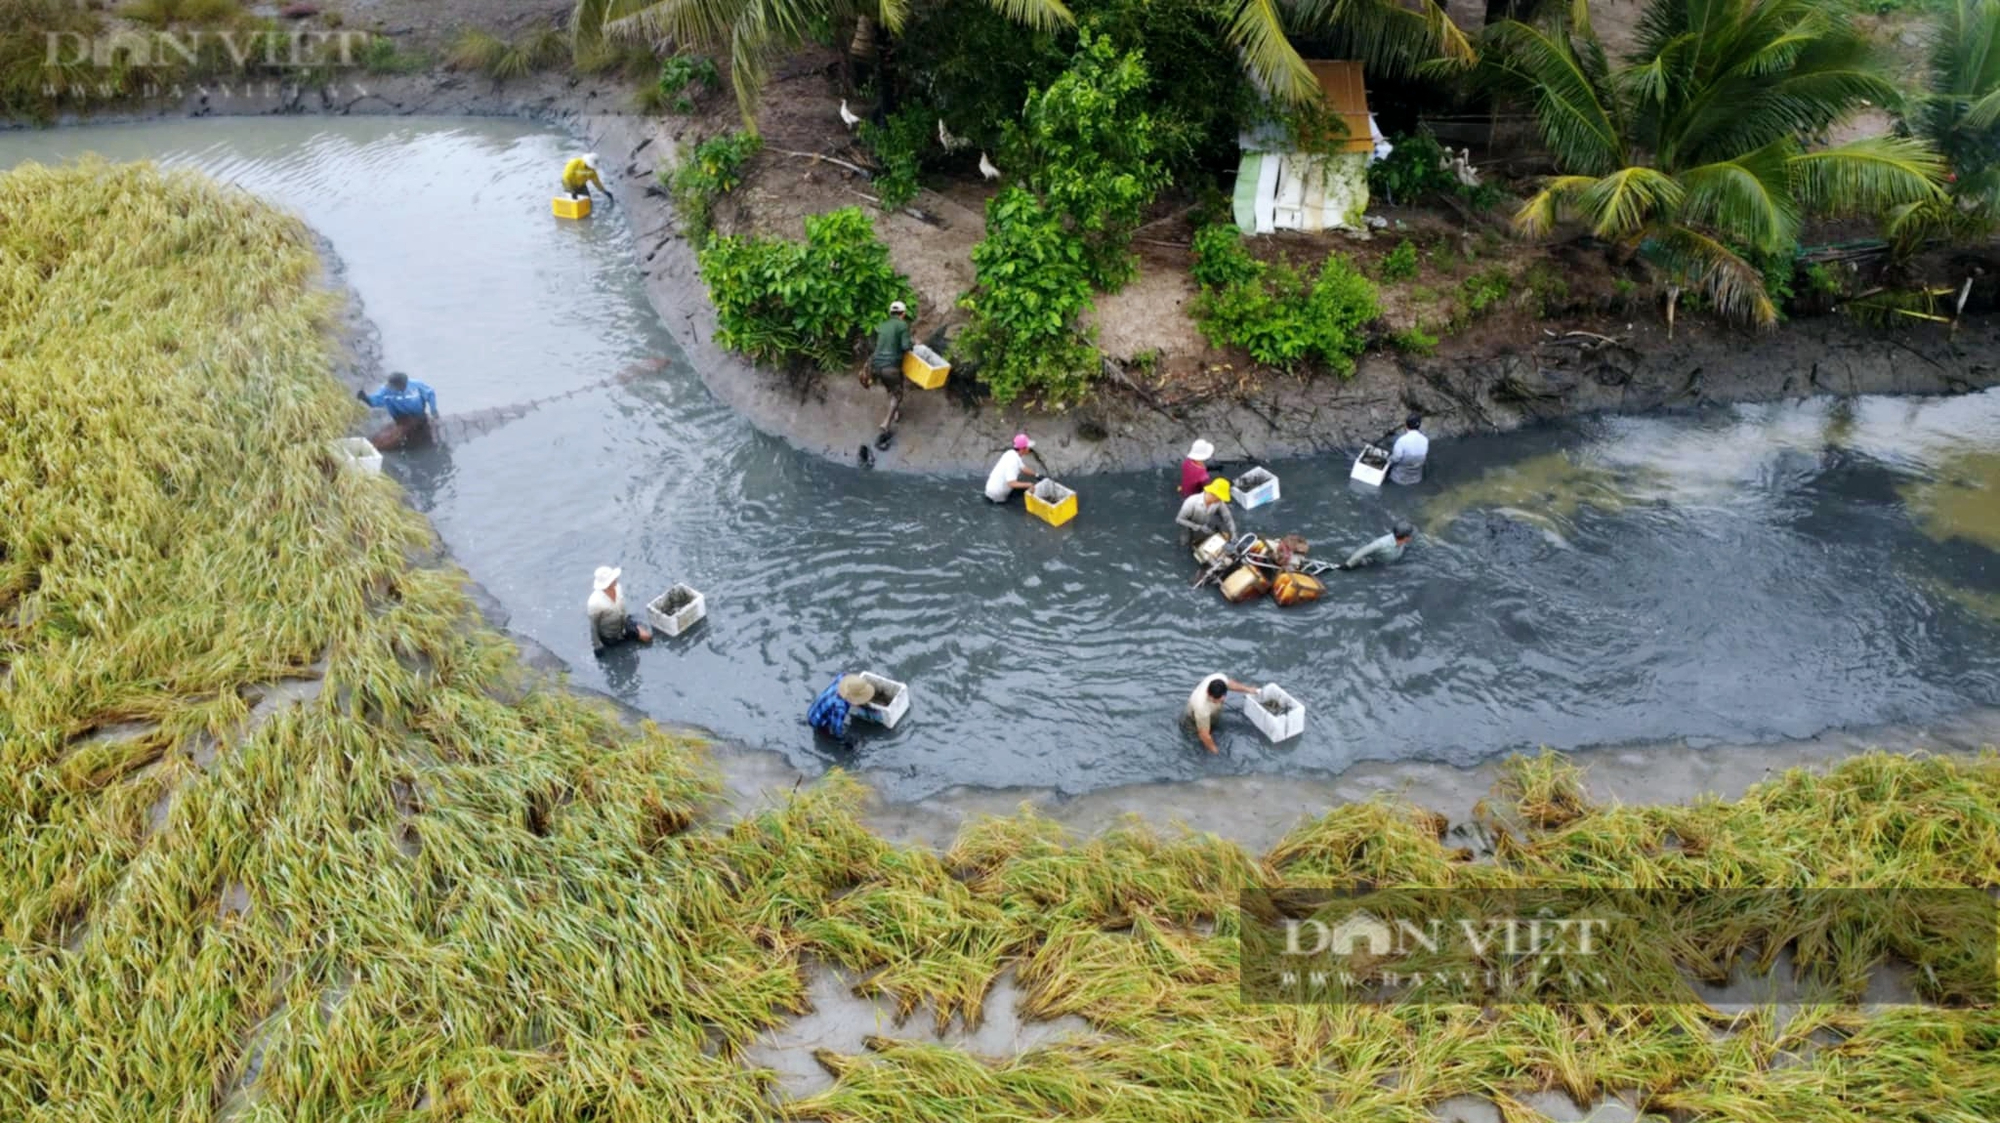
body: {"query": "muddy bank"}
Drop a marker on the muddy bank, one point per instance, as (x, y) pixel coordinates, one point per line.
(949, 431)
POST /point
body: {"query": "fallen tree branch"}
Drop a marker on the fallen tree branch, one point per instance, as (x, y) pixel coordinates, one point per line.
(820, 156)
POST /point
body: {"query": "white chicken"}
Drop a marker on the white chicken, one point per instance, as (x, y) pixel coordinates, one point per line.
(847, 116)
(947, 141)
(986, 167)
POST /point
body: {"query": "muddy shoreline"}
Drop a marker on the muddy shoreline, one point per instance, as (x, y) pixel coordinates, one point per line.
(1254, 811)
(941, 433)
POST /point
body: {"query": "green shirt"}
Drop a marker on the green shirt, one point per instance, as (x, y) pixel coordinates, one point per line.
(892, 342)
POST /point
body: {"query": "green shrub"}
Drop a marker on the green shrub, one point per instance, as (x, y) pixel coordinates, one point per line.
(1399, 264)
(1275, 312)
(899, 146)
(1548, 288)
(673, 92)
(778, 300)
(1482, 290)
(1417, 339)
(381, 55)
(1417, 166)
(1031, 285)
(503, 60)
(1092, 151)
(713, 169)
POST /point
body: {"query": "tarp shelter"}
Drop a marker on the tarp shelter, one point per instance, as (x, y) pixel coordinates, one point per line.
(1279, 188)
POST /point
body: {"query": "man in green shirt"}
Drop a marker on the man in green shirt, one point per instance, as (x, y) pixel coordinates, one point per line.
(892, 342)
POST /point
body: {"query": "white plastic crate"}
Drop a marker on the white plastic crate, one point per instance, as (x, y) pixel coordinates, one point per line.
(884, 711)
(1255, 488)
(1371, 466)
(677, 610)
(1276, 727)
(359, 454)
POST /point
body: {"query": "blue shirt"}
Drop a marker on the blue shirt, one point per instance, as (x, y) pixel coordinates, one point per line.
(411, 401)
(829, 711)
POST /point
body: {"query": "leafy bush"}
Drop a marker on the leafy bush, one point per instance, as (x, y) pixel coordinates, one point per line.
(1275, 312)
(503, 60)
(1031, 285)
(673, 92)
(1417, 339)
(1548, 287)
(1092, 151)
(1412, 170)
(714, 168)
(899, 146)
(779, 300)
(1399, 264)
(381, 55)
(1482, 290)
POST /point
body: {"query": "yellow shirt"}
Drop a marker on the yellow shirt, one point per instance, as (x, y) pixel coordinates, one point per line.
(576, 173)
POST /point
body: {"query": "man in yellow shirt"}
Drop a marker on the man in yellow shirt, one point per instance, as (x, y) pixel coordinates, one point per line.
(580, 173)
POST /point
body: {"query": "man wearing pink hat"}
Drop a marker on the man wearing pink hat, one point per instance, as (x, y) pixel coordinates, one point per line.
(1006, 478)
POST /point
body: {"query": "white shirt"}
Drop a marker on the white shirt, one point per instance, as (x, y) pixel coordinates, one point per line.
(607, 613)
(1005, 471)
(1202, 709)
(1406, 459)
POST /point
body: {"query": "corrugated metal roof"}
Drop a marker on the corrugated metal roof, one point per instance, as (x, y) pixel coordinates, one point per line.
(1348, 97)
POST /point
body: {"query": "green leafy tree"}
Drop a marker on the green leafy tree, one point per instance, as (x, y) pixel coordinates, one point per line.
(1959, 113)
(1031, 285)
(1392, 37)
(1694, 149)
(1090, 149)
(778, 300)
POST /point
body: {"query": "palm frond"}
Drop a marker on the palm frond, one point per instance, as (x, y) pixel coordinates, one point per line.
(1867, 176)
(1257, 29)
(1696, 261)
(1389, 37)
(1982, 114)
(1749, 196)
(1551, 204)
(1575, 116)
(1040, 15)
(1628, 200)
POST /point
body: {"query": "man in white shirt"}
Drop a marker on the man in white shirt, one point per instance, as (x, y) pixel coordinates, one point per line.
(610, 625)
(1406, 459)
(1006, 477)
(1205, 704)
(1204, 513)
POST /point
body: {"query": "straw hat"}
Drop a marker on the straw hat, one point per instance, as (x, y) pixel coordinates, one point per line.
(1219, 489)
(1201, 450)
(605, 577)
(855, 689)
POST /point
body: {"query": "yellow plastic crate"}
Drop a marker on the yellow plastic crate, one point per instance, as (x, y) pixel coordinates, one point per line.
(566, 207)
(1051, 502)
(925, 367)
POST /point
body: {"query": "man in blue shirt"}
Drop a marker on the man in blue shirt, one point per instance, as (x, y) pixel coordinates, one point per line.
(830, 711)
(411, 406)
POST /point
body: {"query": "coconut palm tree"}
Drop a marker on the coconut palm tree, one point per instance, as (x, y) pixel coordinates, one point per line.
(1391, 36)
(1694, 150)
(1960, 114)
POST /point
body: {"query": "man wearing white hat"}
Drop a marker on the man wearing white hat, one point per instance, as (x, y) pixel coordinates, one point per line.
(1194, 470)
(580, 173)
(892, 342)
(610, 624)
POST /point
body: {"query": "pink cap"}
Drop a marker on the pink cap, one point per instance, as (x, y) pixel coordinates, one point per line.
(1022, 443)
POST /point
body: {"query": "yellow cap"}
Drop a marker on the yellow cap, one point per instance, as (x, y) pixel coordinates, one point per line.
(1219, 489)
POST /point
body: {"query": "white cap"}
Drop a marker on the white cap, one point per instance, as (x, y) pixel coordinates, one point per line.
(1201, 450)
(604, 578)
(898, 306)
(590, 160)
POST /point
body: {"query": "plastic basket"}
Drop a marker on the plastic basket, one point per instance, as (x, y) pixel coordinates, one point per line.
(677, 610)
(1255, 488)
(1051, 502)
(566, 206)
(925, 367)
(1371, 466)
(892, 701)
(1280, 726)
(358, 454)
